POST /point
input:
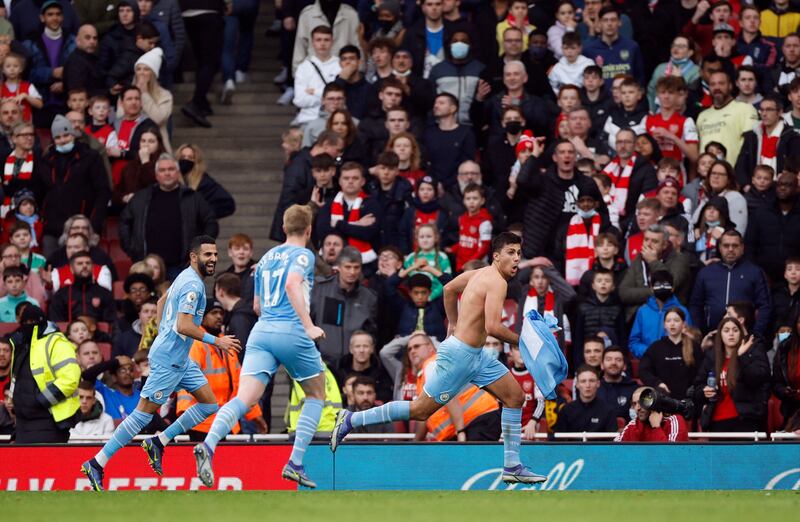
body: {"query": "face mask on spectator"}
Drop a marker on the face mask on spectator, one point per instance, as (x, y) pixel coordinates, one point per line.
(712, 224)
(783, 336)
(586, 214)
(386, 25)
(401, 74)
(185, 166)
(537, 53)
(65, 148)
(662, 291)
(514, 127)
(459, 50)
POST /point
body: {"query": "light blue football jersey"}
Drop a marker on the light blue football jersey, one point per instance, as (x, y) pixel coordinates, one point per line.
(186, 295)
(270, 281)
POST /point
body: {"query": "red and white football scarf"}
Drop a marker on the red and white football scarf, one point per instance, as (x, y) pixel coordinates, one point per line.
(620, 180)
(532, 302)
(368, 255)
(768, 146)
(25, 173)
(580, 247)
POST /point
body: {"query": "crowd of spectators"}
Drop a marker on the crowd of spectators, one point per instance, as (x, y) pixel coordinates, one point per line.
(645, 153)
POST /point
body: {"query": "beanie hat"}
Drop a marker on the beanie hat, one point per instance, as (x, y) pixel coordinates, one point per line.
(152, 59)
(525, 142)
(60, 126)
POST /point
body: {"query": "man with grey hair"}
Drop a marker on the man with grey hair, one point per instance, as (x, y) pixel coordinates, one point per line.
(538, 112)
(163, 218)
(640, 177)
(73, 181)
(340, 305)
(656, 254)
(453, 199)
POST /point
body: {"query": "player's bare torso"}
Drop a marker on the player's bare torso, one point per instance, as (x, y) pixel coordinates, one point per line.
(471, 325)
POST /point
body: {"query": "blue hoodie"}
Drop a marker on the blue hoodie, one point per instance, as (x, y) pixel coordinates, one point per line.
(648, 326)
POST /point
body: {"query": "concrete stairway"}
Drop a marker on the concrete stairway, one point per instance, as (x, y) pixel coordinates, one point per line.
(243, 153)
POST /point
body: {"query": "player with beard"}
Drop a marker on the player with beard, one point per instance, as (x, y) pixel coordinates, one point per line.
(181, 311)
(460, 360)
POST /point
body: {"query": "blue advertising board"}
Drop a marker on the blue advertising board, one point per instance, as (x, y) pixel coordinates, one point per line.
(595, 466)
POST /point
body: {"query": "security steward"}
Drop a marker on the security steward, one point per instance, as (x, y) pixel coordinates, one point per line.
(45, 376)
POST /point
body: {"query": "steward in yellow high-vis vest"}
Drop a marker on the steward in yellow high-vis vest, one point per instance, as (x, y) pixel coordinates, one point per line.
(333, 403)
(45, 381)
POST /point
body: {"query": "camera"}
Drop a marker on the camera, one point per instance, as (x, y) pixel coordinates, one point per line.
(653, 400)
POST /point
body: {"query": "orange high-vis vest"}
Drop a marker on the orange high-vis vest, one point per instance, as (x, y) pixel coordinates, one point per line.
(222, 371)
(474, 401)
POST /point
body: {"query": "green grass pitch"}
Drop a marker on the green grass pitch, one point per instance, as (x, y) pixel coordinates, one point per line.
(405, 506)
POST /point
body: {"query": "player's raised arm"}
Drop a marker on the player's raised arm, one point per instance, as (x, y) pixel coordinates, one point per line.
(294, 291)
(451, 291)
(495, 295)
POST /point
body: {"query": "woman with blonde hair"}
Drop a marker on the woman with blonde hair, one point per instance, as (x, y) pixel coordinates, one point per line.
(156, 100)
(193, 167)
(156, 268)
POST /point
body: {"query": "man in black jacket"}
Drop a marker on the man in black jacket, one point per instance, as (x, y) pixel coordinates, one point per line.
(82, 68)
(588, 412)
(239, 315)
(298, 183)
(416, 40)
(163, 218)
(552, 197)
(363, 361)
(73, 182)
(84, 296)
(773, 232)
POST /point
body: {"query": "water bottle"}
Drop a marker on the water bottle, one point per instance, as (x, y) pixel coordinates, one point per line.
(711, 382)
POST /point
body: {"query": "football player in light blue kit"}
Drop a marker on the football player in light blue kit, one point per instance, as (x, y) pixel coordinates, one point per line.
(180, 310)
(284, 334)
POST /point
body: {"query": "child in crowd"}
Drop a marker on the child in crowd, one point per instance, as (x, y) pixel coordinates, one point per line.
(100, 128)
(604, 184)
(428, 259)
(606, 256)
(648, 212)
(577, 239)
(15, 278)
(420, 311)
(77, 332)
(78, 100)
(714, 221)
(600, 310)
(675, 133)
(517, 17)
(21, 237)
(762, 189)
(424, 208)
(474, 228)
(15, 88)
(565, 24)
(569, 99)
(569, 69)
(24, 211)
(629, 112)
(523, 149)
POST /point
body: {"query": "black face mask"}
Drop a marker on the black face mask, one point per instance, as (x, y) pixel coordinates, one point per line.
(662, 293)
(386, 25)
(513, 127)
(185, 166)
(537, 53)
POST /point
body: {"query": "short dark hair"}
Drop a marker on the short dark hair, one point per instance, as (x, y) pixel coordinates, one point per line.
(572, 38)
(353, 165)
(616, 348)
(608, 9)
(746, 310)
(474, 187)
(332, 87)
(419, 281)
(323, 161)
(86, 385)
(662, 276)
(127, 89)
(349, 49)
(776, 100)
(229, 283)
(79, 254)
(364, 380)
(593, 69)
(593, 339)
(389, 159)
(587, 368)
(199, 241)
(147, 30)
(504, 238)
(14, 271)
(602, 271)
(450, 97)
